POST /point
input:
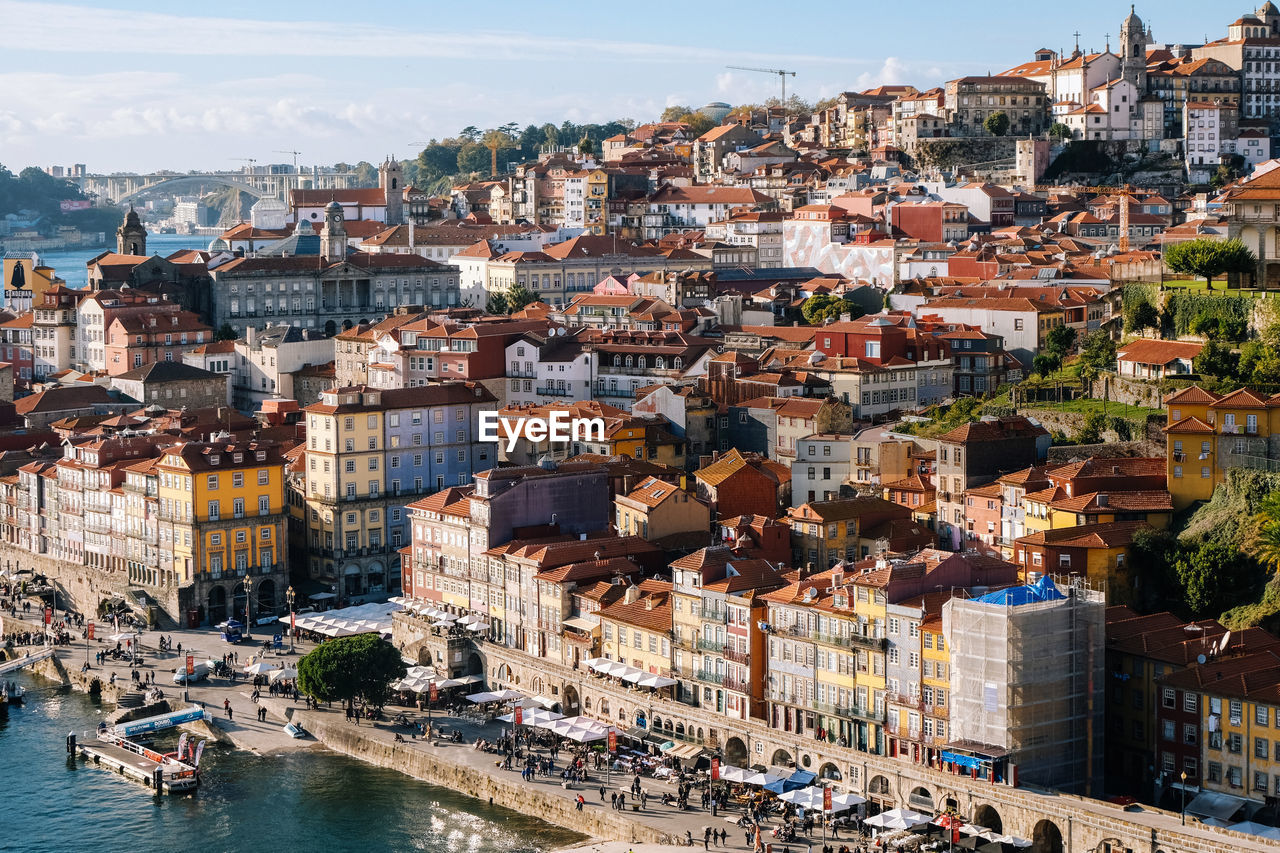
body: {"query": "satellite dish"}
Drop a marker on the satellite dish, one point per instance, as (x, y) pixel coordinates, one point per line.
(1200, 659)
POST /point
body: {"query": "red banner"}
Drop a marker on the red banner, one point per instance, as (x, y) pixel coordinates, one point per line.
(191, 664)
(48, 615)
(519, 717)
(91, 627)
(715, 770)
(435, 691)
(826, 799)
(613, 740)
(293, 621)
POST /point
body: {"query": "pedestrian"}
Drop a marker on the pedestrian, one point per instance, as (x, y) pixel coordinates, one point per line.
(706, 838)
(602, 793)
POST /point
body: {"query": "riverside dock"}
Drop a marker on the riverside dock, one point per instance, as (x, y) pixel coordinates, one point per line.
(151, 768)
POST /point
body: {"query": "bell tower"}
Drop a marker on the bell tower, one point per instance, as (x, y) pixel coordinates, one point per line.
(131, 237)
(333, 239)
(391, 180)
(1134, 38)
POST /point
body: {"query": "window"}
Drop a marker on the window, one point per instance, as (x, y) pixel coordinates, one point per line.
(1189, 702)
(1167, 698)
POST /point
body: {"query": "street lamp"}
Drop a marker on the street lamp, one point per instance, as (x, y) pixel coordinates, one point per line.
(288, 596)
(248, 597)
(1184, 798)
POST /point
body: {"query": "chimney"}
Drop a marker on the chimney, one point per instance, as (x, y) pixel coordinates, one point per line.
(631, 595)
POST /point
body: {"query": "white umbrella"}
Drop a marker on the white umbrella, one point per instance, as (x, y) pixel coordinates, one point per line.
(1015, 841)
(286, 672)
(533, 717)
(258, 668)
(122, 636)
(897, 819)
(481, 698)
(729, 773)
(762, 779)
(654, 681)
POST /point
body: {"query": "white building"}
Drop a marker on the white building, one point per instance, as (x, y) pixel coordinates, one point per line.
(761, 231)
(821, 467)
(548, 368)
(1209, 131)
(266, 360)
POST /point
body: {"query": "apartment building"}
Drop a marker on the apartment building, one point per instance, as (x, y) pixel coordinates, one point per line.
(1209, 434)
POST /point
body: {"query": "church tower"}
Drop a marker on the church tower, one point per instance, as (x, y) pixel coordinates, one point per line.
(131, 237)
(1134, 38)
(391, 180)
(333, 239)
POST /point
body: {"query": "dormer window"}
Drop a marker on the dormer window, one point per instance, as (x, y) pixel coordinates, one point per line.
(215, 458)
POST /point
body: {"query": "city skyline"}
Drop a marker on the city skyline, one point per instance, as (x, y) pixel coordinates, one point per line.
(346, 92)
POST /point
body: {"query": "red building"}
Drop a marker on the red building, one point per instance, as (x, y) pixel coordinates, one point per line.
(982, 510)
(164, 334)
(931, 221)
(761, 536)
(15, 348)
(880, 339)
(737, 485)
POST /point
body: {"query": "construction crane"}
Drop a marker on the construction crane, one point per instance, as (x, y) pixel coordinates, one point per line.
(1123, 193)
(248, 160)
(781, 72)
(294, 153)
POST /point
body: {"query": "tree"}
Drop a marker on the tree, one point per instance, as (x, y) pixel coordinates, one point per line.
(471, 133)
(675, 111)
(438, 160)
(225, 333)
(366, 174)
(1059, 342)
(822, 307)
(1209, 258)
(997, 124)
(586, 146)
(1217, 360)
(1141, 315)
(351, 668)
(517, 298)
(1060, 131)
(497, 140)
(1044, 364)
(1212, 577)
(1098, 351)
(1094, 423)
(496, 304)
(1266, 539)
(473, 158)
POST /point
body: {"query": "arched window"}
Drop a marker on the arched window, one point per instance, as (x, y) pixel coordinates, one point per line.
(660, 362)
(641, 362)
(617, 360)
(679, 362)
(629, 361)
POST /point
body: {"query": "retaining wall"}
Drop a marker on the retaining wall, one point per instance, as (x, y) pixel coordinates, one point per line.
(436, 768)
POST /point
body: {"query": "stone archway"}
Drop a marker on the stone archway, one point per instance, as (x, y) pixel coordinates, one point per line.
(330, 328)
(781, 758)
(264, 596)
(878, 796)
(829, 771)
(985, 815)
(735, 752)
(920, 799)
(572, 703)
(503, 673)
(1046, 837)
(475, 664)
(217, 604)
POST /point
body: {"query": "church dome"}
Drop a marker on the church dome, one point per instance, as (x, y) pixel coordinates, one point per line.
(1133, 22)
(332, 206)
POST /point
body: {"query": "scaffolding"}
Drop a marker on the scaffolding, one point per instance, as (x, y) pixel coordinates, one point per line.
(1027, 682)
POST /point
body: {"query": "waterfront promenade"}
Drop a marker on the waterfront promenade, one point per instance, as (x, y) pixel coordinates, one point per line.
(473, 773)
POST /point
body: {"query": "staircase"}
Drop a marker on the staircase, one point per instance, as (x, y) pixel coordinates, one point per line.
(130, 700)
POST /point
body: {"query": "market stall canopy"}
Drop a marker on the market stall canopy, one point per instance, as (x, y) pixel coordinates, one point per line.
(897, 819)
(729, 773)
(533, 717)
(798, 779)
(655, 681)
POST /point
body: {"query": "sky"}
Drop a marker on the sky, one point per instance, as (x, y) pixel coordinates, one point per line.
(122, 85)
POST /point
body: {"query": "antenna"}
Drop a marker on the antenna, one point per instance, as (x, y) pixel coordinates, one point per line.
(782, 77)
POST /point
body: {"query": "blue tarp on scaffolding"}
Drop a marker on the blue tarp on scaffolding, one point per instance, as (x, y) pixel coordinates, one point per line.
(1034, 593)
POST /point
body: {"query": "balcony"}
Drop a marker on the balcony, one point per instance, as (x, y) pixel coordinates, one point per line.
(737, 686)
(709, 676)
(732, 654)
(713, 614)
(849, 712)
(852, 640)
(555, 392)
(710, 645)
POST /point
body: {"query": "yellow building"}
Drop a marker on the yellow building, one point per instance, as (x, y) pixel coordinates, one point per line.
(656, 509)
(1221, 720)
(223, 518)
(637, 630)
(837, 645)
(1210, 434)
(869, 605)
(935, 681)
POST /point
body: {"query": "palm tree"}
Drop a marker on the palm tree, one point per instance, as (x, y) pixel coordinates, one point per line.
(1266, 539)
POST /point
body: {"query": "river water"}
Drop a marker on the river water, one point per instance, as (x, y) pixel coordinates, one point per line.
(69, 263)
(310, 801)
